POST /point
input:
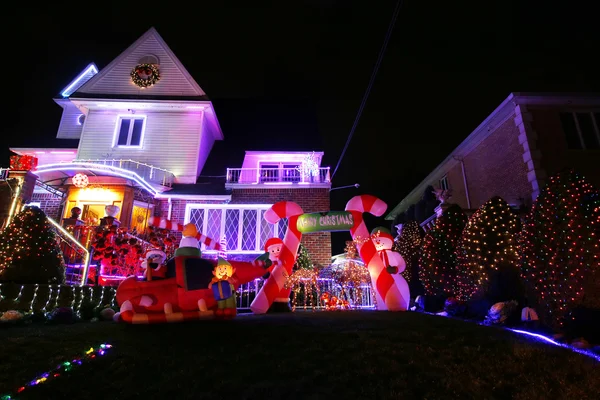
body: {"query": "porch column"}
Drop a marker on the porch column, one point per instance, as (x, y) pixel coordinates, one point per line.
(22, 184)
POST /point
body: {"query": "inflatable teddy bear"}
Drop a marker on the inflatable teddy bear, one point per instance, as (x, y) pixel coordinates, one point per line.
(154, 264)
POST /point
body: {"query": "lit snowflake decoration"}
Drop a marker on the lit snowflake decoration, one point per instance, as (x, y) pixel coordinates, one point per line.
(309, 167)
(80, 180)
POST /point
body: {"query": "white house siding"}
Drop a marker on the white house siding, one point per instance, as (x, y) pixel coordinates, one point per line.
(206, 143)
(69, 127)
(116, 79)
(170, 141)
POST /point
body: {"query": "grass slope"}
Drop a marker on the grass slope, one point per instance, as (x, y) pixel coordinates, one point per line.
(297, 356)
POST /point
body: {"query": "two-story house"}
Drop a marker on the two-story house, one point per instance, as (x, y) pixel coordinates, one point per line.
(145, 129)
(525, 140)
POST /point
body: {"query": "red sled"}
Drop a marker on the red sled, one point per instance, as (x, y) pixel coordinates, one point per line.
(183, 295)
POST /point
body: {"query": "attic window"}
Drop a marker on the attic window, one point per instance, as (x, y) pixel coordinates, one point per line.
(149, 59)
(81, 119)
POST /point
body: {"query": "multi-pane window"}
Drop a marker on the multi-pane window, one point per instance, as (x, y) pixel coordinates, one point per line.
(581, 129)
(130, 131)
(242, 225)
(280, 172)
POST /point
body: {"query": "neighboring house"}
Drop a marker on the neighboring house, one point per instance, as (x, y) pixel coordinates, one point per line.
(144, 148)
(528, 138)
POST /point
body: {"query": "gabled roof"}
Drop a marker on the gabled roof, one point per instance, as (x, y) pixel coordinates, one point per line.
(85, 75)
(114, 79)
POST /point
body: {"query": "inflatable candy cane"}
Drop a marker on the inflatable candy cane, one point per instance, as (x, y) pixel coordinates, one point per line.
(274, 286)
(165, 224)
(392, 292)
(177, 227)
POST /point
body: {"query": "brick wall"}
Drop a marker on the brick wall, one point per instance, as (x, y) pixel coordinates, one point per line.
(494, 168)
(49, 203)
(310, 199)
(552, 143)
(161, 209)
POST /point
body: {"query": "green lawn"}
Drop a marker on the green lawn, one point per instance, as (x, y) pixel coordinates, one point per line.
(343, 355)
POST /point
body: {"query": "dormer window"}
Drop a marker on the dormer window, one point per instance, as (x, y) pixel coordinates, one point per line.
(130, 131)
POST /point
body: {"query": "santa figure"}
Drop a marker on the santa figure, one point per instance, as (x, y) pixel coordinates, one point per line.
(272, 251)
(154, 264)
(383, 240)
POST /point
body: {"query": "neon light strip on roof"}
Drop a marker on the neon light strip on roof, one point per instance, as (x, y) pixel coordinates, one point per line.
(90, 68)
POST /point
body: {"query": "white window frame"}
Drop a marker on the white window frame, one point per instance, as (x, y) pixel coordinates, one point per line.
(120, 119)
(444, 182)
(280, 169)
(260, 208)
(578, 128)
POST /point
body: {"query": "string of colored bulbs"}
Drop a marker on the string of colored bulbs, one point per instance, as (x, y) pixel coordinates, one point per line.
(61, 369)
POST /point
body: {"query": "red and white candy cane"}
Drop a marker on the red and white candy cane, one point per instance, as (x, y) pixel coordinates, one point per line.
(273, 289)
(392, 293)
(165, 224)
(177, 227)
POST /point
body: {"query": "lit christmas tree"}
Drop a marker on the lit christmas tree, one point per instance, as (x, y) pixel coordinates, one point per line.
(29, 252)
(437, 263)
(303, 260)
(488, 241)
(408, 244)
(559, 244)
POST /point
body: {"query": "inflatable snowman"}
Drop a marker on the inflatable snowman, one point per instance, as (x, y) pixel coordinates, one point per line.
(383, 240)
(189, 244)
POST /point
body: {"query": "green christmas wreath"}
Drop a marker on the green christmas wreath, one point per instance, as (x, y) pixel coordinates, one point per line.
(145, 75)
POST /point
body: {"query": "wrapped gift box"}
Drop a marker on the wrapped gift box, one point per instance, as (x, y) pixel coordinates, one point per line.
(221, 290)
(23, 163)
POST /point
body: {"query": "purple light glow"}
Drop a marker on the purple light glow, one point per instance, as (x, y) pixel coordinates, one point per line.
(548, 340)
(69, 89)
(120, 172)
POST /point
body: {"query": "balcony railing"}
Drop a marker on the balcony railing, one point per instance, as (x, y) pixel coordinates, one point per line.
(267, 176)
(147, 172)
(429, 223)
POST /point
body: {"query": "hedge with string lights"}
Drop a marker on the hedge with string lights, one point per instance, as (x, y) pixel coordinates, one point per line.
(437, 263)
(560, 254)
(29, 252)
(489, 242)
(408, 244)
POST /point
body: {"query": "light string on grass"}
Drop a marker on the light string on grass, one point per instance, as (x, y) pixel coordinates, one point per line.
(60, 370)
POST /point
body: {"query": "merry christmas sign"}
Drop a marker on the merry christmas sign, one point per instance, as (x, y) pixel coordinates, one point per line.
(325, 222)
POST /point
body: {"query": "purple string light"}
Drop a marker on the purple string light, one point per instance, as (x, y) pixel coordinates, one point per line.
(548, 340)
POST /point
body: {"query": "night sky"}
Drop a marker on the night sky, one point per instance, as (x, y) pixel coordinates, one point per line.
(286, 77)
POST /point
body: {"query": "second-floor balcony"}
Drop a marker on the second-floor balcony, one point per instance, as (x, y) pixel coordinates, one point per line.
(147, 172)
(277, 176)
